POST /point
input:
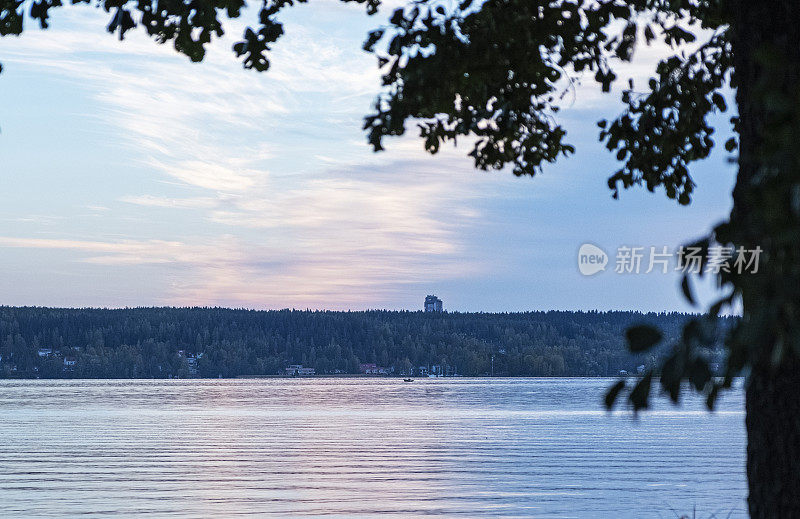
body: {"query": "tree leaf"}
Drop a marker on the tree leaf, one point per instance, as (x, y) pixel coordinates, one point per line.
(613, 393)
(711, 399)
(671, 375)
(640, 395)
(699, 373)
(642, 337)
(687, 290)
(718, 100)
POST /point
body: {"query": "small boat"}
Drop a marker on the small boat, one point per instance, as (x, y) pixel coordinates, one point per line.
(408, 380)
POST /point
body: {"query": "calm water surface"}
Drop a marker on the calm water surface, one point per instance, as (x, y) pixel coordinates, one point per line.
(360, 447)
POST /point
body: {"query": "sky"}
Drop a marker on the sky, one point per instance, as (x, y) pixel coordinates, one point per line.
(133, 177)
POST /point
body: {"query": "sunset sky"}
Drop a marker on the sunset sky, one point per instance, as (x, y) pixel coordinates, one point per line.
(133, 177)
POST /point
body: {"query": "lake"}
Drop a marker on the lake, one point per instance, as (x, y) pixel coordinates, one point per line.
(361, 447)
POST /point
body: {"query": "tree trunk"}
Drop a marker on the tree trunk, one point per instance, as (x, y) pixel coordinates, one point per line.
(766, 213)
(773, 442)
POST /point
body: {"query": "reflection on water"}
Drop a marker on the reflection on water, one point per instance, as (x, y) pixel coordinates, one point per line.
(472, 447)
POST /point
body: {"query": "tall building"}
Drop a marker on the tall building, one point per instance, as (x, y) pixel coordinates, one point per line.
(433, 304)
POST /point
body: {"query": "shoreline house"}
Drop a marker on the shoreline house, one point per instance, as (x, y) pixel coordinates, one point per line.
(297, 370)
(373, 369)
(191, 360)
(437, 370)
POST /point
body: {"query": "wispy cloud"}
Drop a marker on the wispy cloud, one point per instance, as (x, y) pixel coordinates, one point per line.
(163, 201)
(120, 252)
(224, 271)
(299, 211)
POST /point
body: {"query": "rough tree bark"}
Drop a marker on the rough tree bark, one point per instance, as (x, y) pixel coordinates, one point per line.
(773, 446)
(766, 213)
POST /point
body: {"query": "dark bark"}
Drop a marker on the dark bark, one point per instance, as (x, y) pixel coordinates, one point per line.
(773, 442)
(766, 45)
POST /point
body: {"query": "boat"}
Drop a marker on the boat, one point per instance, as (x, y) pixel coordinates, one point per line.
(408, 380)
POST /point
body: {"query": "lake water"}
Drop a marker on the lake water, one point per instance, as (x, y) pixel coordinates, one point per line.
(361, 447)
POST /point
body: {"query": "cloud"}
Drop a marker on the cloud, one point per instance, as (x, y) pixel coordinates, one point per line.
(224, 271)
(162, 201)
(298, 211)
(120, 252)
(39, 219)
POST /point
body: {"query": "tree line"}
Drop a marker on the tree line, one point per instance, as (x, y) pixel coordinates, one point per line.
(216, 342)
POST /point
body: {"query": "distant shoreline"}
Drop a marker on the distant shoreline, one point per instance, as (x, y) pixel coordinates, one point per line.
(330, 376)
(210, 343)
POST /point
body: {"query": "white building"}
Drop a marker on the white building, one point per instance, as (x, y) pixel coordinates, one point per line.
(297, 370)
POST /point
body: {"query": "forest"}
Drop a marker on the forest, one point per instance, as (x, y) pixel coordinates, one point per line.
(40, 342)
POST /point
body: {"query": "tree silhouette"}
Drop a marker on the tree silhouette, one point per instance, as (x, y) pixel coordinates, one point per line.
(497, 70)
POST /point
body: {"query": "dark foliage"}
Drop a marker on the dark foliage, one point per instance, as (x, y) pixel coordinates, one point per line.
(144, 342)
